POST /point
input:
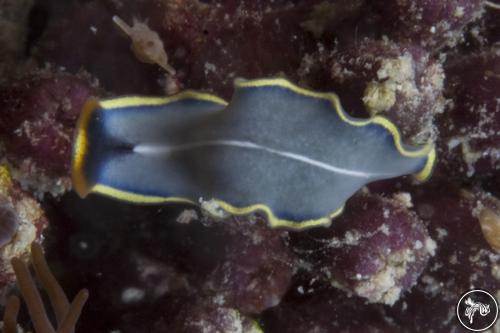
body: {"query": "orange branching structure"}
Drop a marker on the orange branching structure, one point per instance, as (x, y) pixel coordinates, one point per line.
(66, 314)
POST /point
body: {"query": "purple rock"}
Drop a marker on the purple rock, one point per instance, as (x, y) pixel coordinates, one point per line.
(376, 249)
(463, 260)
(256, 269)
(470, 126)
(37, 118)
(326, 309)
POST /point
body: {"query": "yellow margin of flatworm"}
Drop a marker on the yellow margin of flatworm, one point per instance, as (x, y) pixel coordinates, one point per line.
(81, 146)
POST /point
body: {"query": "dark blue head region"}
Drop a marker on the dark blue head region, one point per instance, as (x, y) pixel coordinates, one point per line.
(98, 145)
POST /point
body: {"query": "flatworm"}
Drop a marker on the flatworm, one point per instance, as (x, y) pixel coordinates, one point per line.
(288, 152)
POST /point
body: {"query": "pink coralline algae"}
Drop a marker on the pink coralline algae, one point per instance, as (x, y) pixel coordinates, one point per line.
(376, 249)
(225, 41)
(464, 259)
(37, 117)
(238, 262)
(256, 269)
(469, 127)
(398, 258)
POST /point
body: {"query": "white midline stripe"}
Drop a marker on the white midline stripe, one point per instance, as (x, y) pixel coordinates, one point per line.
(146, 149)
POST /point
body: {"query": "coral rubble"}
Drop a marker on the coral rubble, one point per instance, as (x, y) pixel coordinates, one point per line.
(23, 222)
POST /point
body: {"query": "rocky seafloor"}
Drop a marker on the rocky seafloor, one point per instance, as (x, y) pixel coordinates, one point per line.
(398, 258)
